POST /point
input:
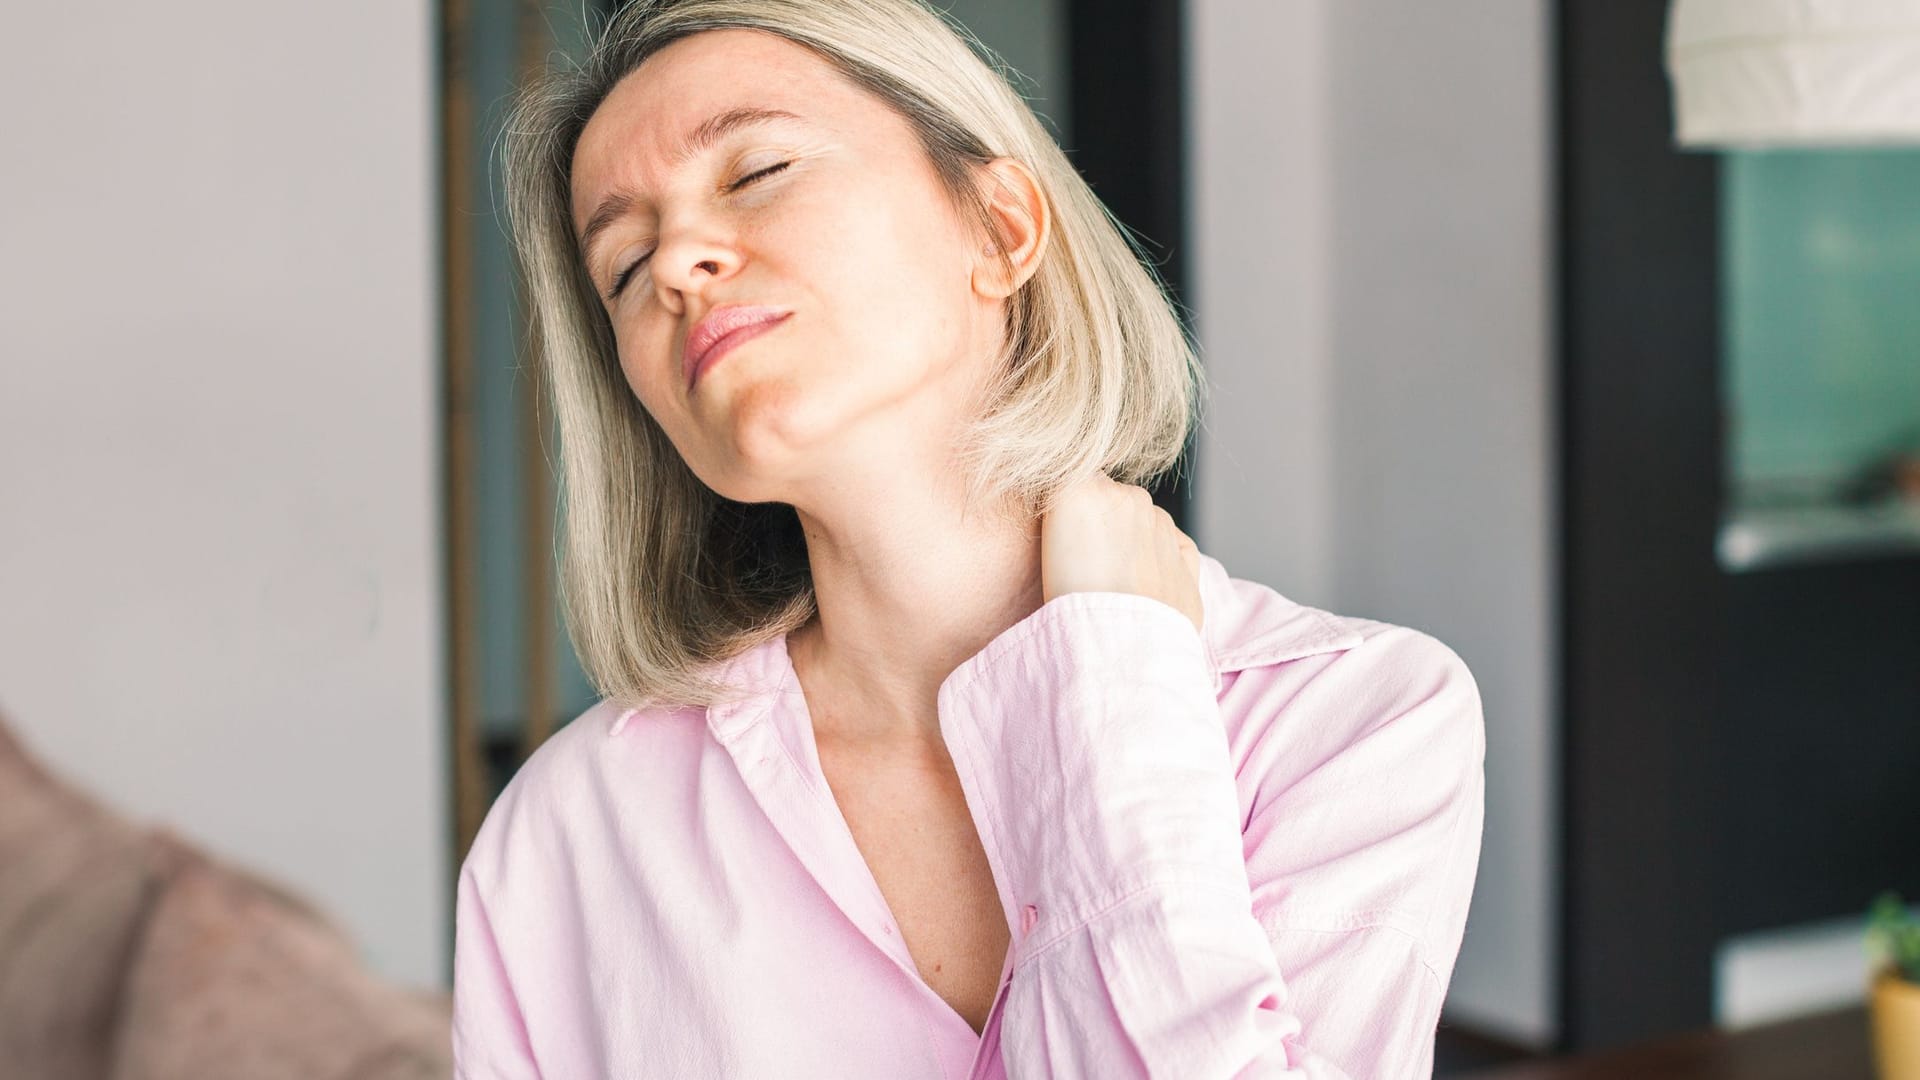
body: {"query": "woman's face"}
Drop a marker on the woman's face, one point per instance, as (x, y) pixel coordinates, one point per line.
(830, 214)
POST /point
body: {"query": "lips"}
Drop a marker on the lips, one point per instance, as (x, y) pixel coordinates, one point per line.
(722, 329)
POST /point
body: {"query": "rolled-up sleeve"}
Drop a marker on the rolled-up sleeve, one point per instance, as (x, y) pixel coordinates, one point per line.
(1153, 917)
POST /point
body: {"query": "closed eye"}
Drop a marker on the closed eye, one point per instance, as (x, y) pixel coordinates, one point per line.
(751, 177)
(620, 282)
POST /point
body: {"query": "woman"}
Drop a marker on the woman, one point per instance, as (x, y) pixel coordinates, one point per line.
(929, 747)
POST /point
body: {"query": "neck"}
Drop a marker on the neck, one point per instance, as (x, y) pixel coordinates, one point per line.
(908, 589)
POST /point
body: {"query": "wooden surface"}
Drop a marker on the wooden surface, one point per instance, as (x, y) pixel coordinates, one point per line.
(1829, 1046)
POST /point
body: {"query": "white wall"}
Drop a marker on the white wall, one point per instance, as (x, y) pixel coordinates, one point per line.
(1371, 288)
(220, 598)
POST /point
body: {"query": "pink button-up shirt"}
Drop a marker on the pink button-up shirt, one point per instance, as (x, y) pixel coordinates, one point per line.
(1243, 851)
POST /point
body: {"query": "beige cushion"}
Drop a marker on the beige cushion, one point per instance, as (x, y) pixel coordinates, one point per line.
(236, 979)
(76, 882)
(128, 954)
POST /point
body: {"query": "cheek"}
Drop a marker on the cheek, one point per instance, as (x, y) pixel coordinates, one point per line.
(868, 225)
(892, 272)
(642, 378)
(645, 342)
(647, 382)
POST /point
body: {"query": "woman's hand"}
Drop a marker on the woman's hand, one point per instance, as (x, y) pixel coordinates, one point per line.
(1103, 536)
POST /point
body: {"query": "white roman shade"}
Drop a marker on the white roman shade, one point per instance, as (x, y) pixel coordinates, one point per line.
(1780, 73)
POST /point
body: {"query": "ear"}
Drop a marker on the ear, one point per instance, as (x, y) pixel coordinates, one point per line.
(1020, 216)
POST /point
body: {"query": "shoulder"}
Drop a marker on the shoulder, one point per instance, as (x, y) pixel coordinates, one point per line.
(1396, 669)
(1360, 765)
(1250, 626)
(1306, 685)
(589, 779)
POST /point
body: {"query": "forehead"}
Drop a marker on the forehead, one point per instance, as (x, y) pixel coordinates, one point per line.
(629, 138)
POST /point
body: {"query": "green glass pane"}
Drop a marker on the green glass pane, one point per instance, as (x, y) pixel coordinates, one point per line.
(1821, 272)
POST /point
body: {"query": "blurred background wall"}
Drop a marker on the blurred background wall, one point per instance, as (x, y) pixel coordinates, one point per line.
(220, 582)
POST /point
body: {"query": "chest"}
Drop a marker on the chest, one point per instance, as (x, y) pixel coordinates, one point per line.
(911, 823)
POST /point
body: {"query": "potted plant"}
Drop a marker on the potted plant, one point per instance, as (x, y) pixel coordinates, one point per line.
(1893, 939)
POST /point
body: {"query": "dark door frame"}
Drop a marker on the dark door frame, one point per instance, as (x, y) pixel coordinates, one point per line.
(1640, 482)
(1127, 136)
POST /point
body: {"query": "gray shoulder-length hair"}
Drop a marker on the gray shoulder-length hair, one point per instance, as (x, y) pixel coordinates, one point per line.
(662, 576)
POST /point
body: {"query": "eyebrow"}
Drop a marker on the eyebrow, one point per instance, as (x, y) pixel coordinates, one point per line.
(711, 130)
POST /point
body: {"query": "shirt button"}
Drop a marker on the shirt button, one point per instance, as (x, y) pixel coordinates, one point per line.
(1028, 916)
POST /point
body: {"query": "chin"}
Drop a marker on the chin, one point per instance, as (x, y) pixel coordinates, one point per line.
(775, 423)
(763, 465)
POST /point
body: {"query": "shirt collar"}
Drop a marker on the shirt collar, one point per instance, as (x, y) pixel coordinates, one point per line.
(1246, 624)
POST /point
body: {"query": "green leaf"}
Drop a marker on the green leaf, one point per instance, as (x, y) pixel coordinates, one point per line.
(1893, 935)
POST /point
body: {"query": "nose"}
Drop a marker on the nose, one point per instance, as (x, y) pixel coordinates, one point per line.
(690, 262)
